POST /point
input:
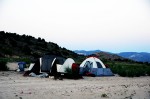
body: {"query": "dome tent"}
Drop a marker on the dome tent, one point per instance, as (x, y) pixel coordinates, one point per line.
(69, 69)
(47, 64)
(67, 64)
(94, 66)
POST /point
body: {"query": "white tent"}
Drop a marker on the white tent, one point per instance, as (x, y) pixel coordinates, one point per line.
(67, 64)
(95, 66)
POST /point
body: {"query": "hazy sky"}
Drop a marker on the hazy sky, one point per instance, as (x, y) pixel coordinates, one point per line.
(108, 25)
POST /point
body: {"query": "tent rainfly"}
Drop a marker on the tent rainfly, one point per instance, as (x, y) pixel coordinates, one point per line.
(94, 66)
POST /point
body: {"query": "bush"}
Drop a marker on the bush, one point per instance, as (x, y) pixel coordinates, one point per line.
(104, 95)
(27, 60)
(3, 66)
(148, 71)
(68, 70)
(126, 69)
(72, 74)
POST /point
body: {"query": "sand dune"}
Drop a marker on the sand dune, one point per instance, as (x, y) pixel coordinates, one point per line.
(14, 86)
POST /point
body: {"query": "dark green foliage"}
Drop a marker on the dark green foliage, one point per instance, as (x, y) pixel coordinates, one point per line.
(127, 69)
(72, 74)
(104, 95)
(68, 70)
(23, 59)
(27, 60)
(147, 70)
(3, 66)
(7, 51)
(26, 49)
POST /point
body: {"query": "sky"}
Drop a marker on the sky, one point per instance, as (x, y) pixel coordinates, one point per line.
(107, 25)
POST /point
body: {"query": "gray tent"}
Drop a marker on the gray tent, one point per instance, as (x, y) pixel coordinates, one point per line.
(47, 64)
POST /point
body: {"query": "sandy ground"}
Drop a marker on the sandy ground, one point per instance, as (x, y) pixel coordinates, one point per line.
(14, 86)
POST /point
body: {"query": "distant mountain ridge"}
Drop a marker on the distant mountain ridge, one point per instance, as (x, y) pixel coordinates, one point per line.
(100, 54)
(136, 56)
(84, 52)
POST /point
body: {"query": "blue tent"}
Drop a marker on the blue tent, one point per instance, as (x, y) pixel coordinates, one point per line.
(94, 66)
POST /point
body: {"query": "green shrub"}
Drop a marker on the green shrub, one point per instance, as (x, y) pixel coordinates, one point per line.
(104, 95)
(27, 60)
(68, 70)
(148, 71)
(72, 74)
(126, 69)
(3, 66)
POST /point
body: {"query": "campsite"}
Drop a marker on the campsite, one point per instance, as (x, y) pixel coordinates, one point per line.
(97, 82)
(31, 67)
(74, 49)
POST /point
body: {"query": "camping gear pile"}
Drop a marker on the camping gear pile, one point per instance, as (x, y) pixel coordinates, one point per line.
(59, 67)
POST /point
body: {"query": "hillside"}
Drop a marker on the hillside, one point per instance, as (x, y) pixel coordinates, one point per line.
(109, 56)
(101, 54)
(13, 45)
